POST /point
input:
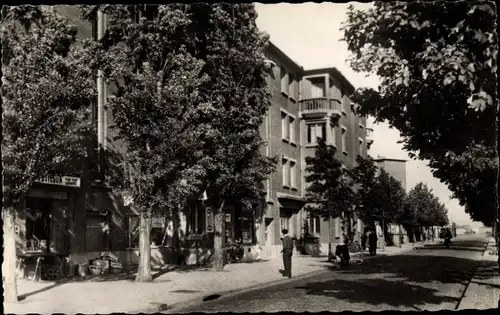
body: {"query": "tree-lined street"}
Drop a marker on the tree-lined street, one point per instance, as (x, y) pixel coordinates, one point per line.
(431, 278)
(164, 115)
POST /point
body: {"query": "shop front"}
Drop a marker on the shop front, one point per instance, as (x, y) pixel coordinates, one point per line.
(42, 228)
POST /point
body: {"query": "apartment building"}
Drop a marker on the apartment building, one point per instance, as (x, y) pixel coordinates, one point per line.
(90, 218)
(307, 104)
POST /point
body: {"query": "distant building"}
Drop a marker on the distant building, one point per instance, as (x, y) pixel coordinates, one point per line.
(395, 167)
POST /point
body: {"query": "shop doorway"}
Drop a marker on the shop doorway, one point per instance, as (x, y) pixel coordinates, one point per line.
(38, 222)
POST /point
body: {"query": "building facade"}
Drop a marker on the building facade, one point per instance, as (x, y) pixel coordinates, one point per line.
(79, 221)
(397, 169)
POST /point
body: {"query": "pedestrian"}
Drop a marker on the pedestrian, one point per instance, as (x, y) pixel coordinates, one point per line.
(364, 238)
(287, 253)
(372, 242)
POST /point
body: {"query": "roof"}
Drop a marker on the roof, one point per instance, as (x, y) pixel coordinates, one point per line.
(383, 159)
(274, 50)
(336, 74)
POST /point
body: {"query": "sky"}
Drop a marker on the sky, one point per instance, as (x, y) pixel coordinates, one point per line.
(309, 34)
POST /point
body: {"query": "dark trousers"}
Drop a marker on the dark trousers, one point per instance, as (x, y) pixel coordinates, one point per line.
(287, 264)
(373, 249)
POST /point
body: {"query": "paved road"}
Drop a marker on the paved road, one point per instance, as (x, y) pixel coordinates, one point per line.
(431, 278)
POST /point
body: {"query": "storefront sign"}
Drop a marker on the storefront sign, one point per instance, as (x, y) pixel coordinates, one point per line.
(210, 220)
(61, 181)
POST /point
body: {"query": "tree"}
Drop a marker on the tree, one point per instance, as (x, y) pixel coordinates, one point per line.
(227, 38)
(380, 197)
(156, 108)
(364, 175)
(330, 192)
(425, 208)
(391, 197)
(437, 63)
(47, 96)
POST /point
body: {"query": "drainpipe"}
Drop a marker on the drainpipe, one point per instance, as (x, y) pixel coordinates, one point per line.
(101, 99)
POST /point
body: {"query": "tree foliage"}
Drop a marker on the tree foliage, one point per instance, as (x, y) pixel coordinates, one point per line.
(47, 96)
(156, 108)
(380, 197)
(330, 192)
(227, 38)
(437, 64)
(424, 209)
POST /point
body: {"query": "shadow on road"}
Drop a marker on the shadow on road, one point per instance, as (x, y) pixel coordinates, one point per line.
(417, 268)
(440, 266)
(394, 293)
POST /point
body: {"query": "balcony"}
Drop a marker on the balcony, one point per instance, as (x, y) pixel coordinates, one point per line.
(320, 107)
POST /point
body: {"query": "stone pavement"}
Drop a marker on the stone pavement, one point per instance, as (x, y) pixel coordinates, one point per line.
(172, 286)
(483, 291)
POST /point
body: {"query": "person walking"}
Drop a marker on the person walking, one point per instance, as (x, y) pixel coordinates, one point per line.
(287, 253)
(372, 242)
(364, 239)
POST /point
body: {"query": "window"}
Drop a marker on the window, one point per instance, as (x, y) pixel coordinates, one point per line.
(286, 172)
(293, 174)
(285, 127)
(196, 220)
(344, 140)
(317, 87)
(157, 237)
(361, 144)
(293, 86)
(314, 224)
(284, 220)
(343, 107)
(285, 85)
(315, 131)
(334, 136)
(291, 129)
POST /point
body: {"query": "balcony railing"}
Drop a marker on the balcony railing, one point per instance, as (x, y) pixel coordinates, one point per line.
(320, 105)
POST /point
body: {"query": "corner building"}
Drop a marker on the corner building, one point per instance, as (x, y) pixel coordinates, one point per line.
(304, 102)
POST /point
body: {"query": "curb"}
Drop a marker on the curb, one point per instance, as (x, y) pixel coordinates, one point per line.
(196, 300)
(473, 275)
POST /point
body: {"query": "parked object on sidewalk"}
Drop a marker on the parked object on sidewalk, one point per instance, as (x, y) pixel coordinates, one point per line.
(235, 252)
(342, 252)
(95, 270)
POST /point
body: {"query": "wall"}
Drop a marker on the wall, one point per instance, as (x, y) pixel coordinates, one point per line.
(396, 169)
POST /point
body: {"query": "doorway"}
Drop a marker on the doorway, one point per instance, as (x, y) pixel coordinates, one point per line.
(38, 220)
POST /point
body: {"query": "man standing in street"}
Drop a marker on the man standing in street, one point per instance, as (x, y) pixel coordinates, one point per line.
(372, 242)
(287, 253)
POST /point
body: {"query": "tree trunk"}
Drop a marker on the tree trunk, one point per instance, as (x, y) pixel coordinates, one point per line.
(9, 263)
(219, 240)
(144, 271)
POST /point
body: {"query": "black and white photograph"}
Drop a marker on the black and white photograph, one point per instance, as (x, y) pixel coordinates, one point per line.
(250, 157)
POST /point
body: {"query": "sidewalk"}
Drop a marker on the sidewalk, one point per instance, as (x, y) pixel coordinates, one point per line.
(180, 286)
(483, 291)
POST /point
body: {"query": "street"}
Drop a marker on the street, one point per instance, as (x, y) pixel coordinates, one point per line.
(431, 278)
